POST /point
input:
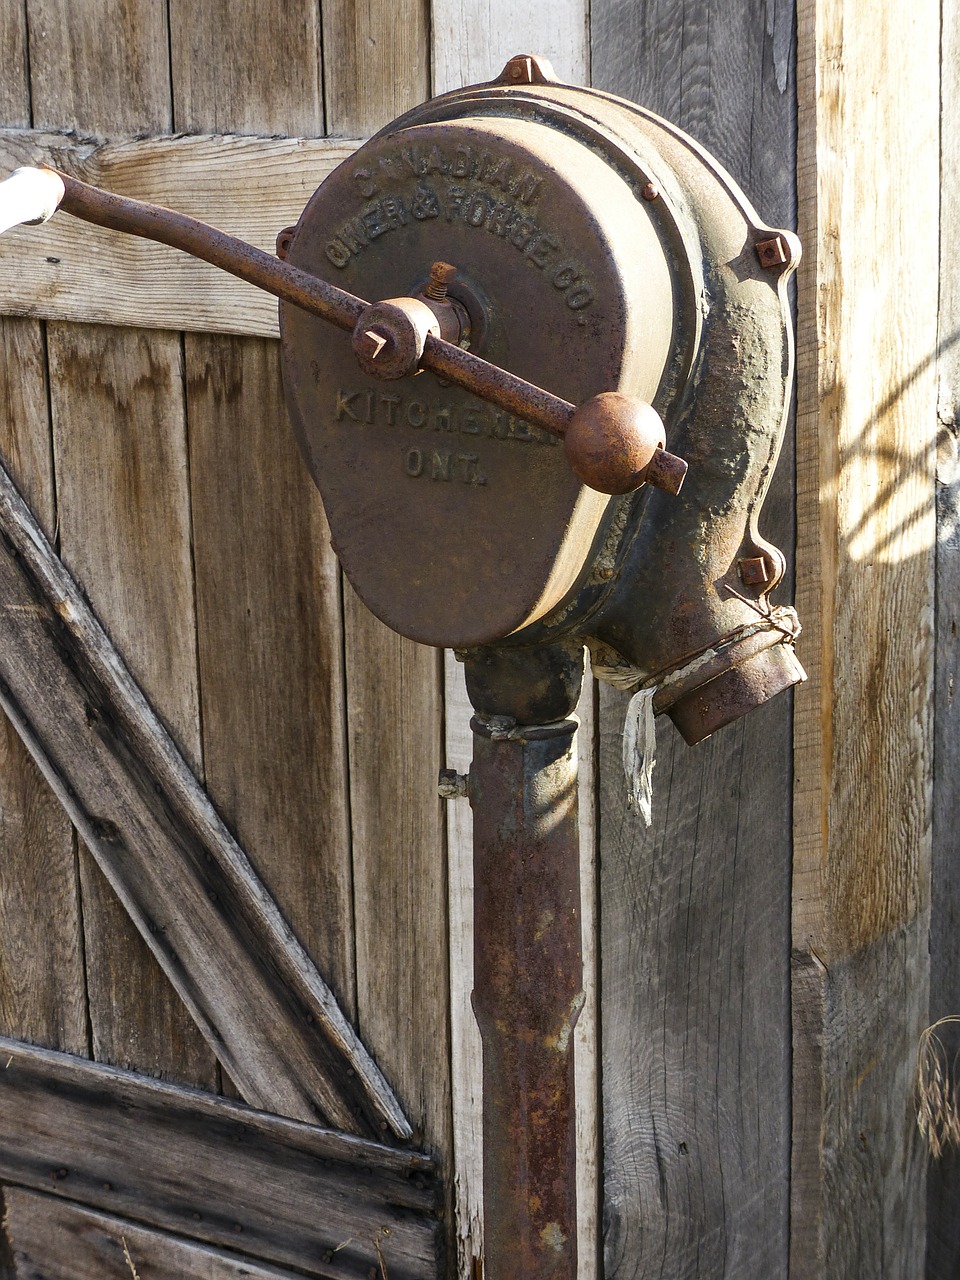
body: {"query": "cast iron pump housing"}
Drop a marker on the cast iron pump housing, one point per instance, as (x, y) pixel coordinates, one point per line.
(593, 248)
(547, 263)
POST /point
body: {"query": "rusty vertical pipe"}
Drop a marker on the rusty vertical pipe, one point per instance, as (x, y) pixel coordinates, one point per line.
(528, 992)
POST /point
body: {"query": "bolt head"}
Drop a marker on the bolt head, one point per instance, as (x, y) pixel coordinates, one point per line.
(527, 68)
(284, 241)
(774, 252)
(389, 336)
(754, 571)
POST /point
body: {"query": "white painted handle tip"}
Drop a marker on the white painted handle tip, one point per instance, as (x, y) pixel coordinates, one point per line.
(29, 196)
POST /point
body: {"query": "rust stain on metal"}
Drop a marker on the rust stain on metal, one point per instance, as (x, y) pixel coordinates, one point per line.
(441, 273)
(528, 977)
(666, 471)
(389, 345)
(774, 252)
(754, 571)
(460, 529)
(527, 68)
(284, 240)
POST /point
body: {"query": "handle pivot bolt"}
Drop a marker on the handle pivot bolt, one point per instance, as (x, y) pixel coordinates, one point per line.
(389, 336)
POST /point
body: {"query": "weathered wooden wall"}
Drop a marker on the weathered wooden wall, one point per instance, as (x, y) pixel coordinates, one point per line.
(694, 912)
(943, 1241)
(864, 764)
(756, 1120)
(163, 465)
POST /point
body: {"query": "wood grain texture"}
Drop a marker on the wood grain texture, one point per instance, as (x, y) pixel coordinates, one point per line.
(42, 981)
(54, 1240)
(723, 72)
(271, 630)
(101, 65)
(124, 532)
(268, 67)
(466, 1050)
(70, 270)
(695, 1069)
(14, 86)
(271, 648)
(400, 884)
(197, 903)
(586, 1046)
(943, 1224)
(214, 1170)
(375, 62)
(6, 1253)
(42, 985)
(472, 40)
(105, 66)
(867, 423)
(695, 912)
(124, 522)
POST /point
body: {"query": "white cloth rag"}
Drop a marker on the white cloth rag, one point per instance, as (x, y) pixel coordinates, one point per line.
(639, 752)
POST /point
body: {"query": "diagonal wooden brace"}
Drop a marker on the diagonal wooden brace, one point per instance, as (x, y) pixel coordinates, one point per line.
(249, 985)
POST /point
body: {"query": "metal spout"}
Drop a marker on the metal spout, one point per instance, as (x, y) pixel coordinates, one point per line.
(736, 691)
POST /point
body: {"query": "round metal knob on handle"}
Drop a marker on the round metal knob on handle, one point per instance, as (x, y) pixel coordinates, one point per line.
(612, 440)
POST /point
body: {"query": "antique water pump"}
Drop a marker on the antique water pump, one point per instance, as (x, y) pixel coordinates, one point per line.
(551, 426)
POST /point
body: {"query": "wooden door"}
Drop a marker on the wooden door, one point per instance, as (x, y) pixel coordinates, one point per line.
(224, 867)
(138, 933)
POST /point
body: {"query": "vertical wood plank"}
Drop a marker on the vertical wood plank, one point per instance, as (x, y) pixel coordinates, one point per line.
(400, 883)
(271, 639)
(246, 68)
(124, 504)
(124, 522)
(24, 418)
(42, 987)
(376, 64)
(694, 1039)
(585, 1043)
(943, 1239)
(15, 86)
(269, 606)
(472, 40)
(466, 1050)
(869, 113)
(695, 912)
(100, 66)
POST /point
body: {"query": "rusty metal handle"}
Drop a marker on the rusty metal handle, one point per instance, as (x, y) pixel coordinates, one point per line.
(618, 463)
